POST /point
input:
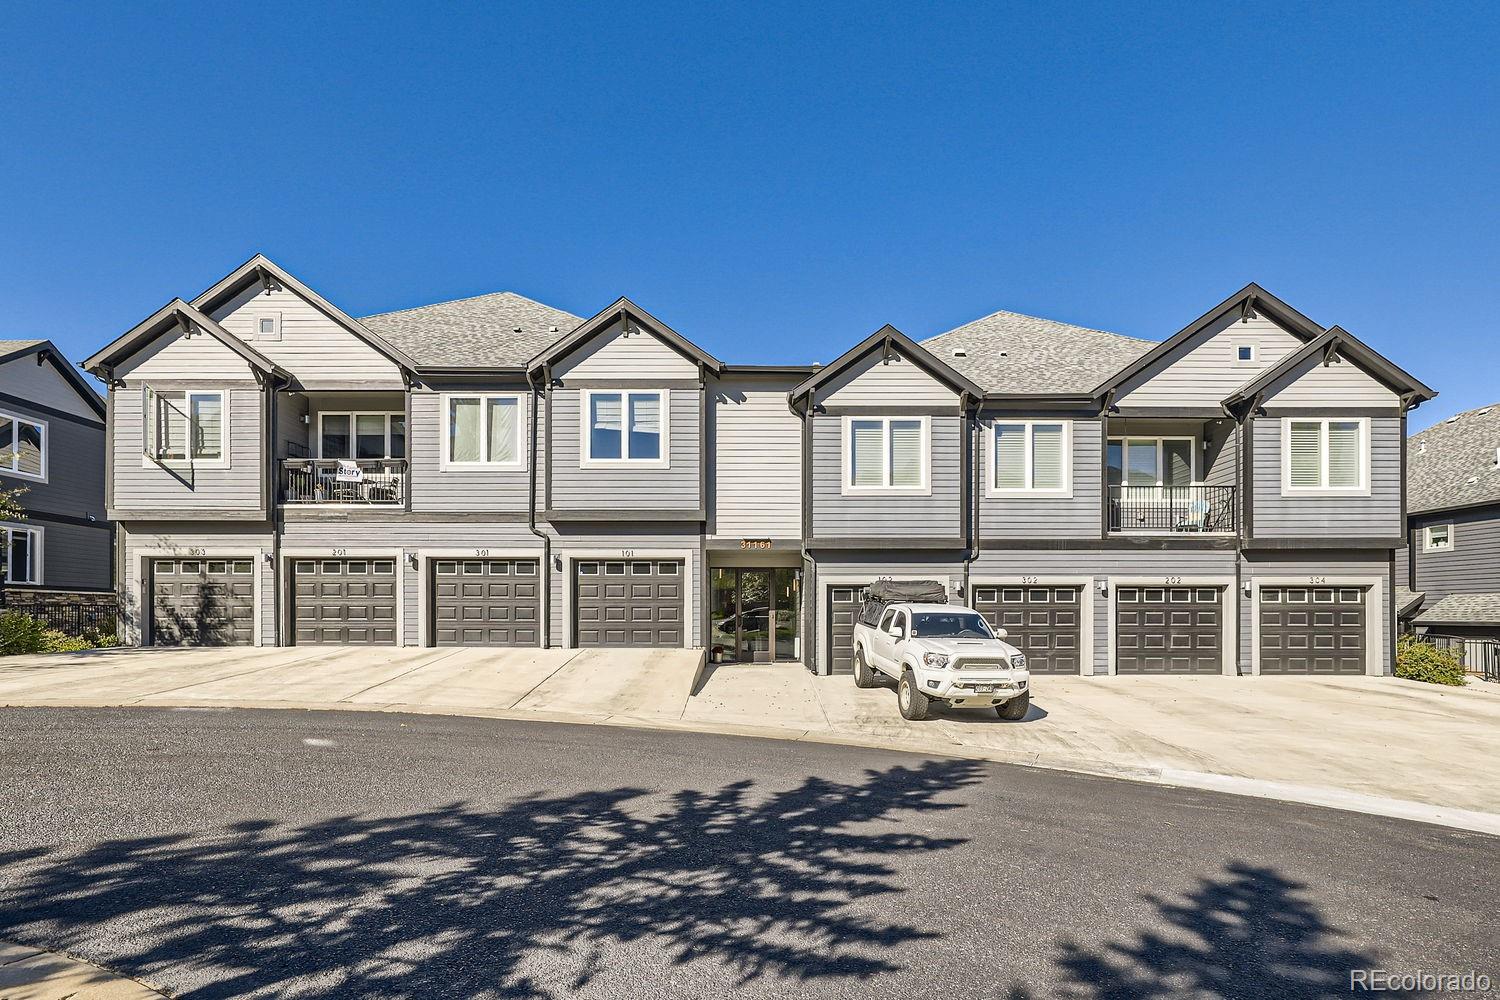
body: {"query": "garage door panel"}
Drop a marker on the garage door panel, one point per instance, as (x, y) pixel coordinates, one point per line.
(843, 611)
(492, 602)
(1312, 630)
(203, 602)
(1174, 630)
(632, 603)
(1043, 622)
(344, 601)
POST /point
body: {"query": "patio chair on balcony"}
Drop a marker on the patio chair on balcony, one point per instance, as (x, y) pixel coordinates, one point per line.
(1195, 518)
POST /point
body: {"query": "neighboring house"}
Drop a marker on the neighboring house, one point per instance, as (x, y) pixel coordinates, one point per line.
(494, 471)
(52, 445)
(1450, 567)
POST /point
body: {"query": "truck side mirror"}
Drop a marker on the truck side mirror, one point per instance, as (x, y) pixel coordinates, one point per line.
(897, 632)
(1000, 633)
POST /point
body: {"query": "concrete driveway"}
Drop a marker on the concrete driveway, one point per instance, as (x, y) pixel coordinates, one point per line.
(1374, 744)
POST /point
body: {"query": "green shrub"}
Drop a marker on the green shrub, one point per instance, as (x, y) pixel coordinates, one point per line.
(1422, 661)
(20, 634)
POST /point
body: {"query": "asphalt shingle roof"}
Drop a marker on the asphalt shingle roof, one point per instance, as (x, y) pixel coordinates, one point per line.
(1406, 599)
(1452, 464)
(1463, 609)
(1011, 352)
(498, 330)
(10, 346)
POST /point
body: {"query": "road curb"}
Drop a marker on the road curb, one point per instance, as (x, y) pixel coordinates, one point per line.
(31, 973)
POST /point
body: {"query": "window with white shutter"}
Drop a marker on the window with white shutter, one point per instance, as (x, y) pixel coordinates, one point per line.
(885, 454)
(624, 427)
(1328, 456)
(1031, 458)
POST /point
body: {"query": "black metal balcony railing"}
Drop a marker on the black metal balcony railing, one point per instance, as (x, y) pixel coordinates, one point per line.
(1160, 509)
(362, 481)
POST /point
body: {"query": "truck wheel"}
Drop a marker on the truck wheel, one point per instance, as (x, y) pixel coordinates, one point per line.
(1015, 710)
(913, 703)
(864, 677)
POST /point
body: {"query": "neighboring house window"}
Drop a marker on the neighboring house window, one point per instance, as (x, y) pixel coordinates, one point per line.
(1151, 461)
(185, 425)
(1031, 457)
(268, 326)
(625, 426)
(885, 454)
(23, 554)
(361, 435)
(1439, 538)
(23, 447)
(483, 429)
(1324, 456)
(1244, 354)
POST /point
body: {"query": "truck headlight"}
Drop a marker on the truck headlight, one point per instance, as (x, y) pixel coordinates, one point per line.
(935, 659)
(1018, 662)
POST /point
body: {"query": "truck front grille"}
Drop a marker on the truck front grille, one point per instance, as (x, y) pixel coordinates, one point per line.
(981, 665)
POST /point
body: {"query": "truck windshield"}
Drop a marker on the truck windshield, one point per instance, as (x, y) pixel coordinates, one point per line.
(949, 624)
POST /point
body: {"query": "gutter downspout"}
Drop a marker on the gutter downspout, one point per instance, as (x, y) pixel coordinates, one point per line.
(971, 487)
(536, 410)
(275, 514)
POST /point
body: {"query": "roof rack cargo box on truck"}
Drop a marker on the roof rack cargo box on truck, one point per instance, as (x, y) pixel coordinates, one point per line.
(882, 593)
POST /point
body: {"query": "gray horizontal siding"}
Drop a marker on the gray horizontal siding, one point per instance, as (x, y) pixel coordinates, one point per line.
(672, 488)
(140, 485)
(434, 488)
(1375, 516)
(1050, 517)
(75, 555)
(1471, 566)
(755, 462)
(887, 517)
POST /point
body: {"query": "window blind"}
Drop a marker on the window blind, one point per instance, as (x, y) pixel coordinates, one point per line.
(1307, 454)
(1010, 456)
(906, 453)
(207, 414)
(865, 442)
(605, 423)
(645, 425)
(1343, 453)
(1047, 456)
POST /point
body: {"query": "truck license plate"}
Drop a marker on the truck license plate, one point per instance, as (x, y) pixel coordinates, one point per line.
(983, 688)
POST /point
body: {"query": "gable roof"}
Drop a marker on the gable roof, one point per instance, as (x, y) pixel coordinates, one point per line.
(884, 338)
(1335, 340)
(622, 308)
(46, 351)
(1462, 609)
(498, 330)
(260, 268)
(1009, 352)
(1452, 464)
(1407, 600)
(175, 315)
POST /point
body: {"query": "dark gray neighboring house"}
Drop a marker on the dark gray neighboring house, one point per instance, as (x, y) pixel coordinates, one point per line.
(1450, 567)
(52, 428)
(496, 471)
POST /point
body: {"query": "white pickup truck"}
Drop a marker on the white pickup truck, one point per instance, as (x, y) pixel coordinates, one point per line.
(938, 652)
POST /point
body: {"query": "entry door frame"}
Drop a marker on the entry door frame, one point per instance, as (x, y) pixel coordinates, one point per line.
(739, 608)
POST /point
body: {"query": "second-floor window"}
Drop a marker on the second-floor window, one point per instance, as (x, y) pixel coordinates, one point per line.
(23, 447)
(361, 435)
(185, 425)
(1151, 461)
(1325, 456)
(1030, 458)
(1439, 538)
(885, 455)
(625, 427)
(483, 429)
(22, 558)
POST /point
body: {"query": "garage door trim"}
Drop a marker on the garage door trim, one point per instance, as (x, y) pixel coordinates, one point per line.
(689, 591)
(288, 595)
(427, 560)
(1086, 594)
(1377, 607)
(144, 557)
(1228, 604)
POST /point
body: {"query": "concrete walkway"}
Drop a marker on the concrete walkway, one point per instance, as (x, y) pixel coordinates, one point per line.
(28, 973)
(1375, 745)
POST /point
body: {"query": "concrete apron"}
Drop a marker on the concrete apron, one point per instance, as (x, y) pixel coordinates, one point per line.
(28, 973)
(1350, 743)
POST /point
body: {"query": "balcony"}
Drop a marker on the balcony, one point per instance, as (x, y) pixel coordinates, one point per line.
(364, 482)
(1166, 510)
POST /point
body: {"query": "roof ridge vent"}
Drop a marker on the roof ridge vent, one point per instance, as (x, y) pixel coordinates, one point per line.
(1453, 419)
(1421, 447)
(959, 352)
(1484, 411)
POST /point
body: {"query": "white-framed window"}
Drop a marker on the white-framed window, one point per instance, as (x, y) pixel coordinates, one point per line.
(886, 455)
(1325, 455)
(1245, 353)
(185, 425)
(1031, 458)
(23, 446)
(483, 429)
(22, 559)
(351, 435)
(625, 426)
(1152, 461)
(1437, 538)
(268, 326)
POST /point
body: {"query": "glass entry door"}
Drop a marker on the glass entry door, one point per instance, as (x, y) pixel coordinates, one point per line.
(755, 615)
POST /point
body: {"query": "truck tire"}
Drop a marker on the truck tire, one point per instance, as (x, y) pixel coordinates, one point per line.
(912, 702)
(1015, 710)
(864, 677)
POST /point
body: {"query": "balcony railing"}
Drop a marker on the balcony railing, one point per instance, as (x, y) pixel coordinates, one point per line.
(379, 481)
(1155, 510)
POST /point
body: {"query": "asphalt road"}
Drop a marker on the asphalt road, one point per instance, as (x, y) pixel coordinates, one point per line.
(312, 855)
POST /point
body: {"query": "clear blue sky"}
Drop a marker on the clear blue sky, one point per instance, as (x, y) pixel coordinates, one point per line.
(774, 180)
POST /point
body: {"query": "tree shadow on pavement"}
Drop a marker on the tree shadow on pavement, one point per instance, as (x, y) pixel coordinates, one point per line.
(450, 901)
(1246, 933)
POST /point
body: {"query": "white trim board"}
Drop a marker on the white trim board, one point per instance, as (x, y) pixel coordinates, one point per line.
(145, 555)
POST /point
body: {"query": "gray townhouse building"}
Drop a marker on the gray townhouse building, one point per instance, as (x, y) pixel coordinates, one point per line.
(1449, 571)
(52, 433)
(496, 471)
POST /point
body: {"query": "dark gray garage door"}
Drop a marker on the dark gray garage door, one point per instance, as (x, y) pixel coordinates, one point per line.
(1043, 622)
(844, 602)
(348, 601)
(630, 602)
(1169, 630)
(489, 602)
(203, 602)
(1312, 630)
